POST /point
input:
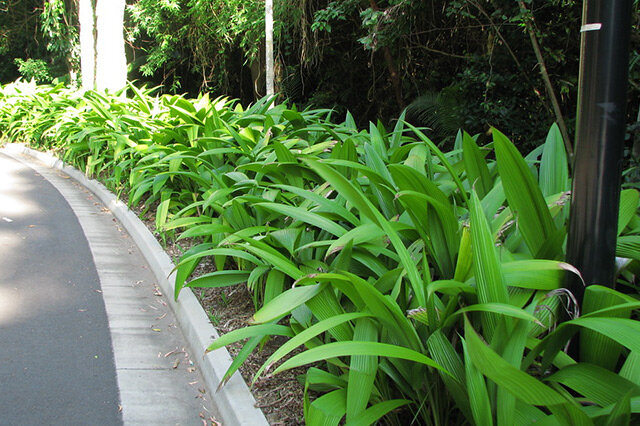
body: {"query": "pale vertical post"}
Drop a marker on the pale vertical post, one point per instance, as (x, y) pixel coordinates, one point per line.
(269, 60)
(87, 44)
(111, 63)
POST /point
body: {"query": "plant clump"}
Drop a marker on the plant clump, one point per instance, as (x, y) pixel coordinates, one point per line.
(417, 286)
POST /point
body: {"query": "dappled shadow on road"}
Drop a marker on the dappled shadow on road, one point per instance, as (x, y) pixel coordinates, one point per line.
(56, 361)
(25, 244)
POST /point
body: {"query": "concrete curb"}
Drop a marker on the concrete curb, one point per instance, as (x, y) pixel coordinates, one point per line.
(234, 401)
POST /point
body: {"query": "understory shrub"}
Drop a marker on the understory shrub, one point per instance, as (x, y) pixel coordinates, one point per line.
(426, 287)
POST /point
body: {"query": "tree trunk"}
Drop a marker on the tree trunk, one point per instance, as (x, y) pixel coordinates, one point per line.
(111, 62)
(269, 60)
(547, 82)
(87, 44)
(393, 72)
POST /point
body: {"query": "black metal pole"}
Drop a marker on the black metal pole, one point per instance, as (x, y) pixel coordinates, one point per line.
(604, 61)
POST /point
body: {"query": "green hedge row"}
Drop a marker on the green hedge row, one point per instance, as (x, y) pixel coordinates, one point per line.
(424, 286)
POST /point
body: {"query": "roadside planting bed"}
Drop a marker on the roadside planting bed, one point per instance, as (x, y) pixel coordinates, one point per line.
(408, 284)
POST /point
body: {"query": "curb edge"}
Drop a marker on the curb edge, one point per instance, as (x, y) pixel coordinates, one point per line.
(234, 401)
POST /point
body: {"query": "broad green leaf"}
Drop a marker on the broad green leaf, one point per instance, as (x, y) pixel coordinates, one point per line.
(523, 194)
(386, 311)
(326, 305)
(554, 165)
(443, 352)
(327, 204)
(527, 414)
(323, 381)
(496, 308)
(287, 238)
(596, 348)
(343, 260)
(274, 285)
(283, 154)
(185, 222)
(442, 159)
(628, 246)
(623, 309)
(204, 230)
(451, 287)
(159, 182)
(464, 263)
(538, 274)
(359, 235)
(352, 348)
(629, 199)
(408, 179)
(272, 256)
(416, 159)
(569, 414)
(239, 359)
(597, 384)
(303, 215)
(217, 195)
(474, 163)
(623, 331)
(374, 160)
(255, 277)
(285, 303)
(219, 279)
(595, 411)
(514, 346)
(621, 413)
(247, 332)
(547, 311)
(191, 176)
(163, 209)
(362, 371)
(631, 368)
(359, 200)
(479, 401)
(305, 336)
(184, 269)
(372, 414)
(396, 137)
(232, 252)
(327, 410)
(490, 364)
(488, 274)
(437, 224)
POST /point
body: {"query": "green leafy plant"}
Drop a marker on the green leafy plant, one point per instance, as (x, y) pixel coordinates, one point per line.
(420, 285)
(34, 69)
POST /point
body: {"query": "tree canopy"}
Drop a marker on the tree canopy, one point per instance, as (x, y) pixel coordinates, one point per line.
(457, 63)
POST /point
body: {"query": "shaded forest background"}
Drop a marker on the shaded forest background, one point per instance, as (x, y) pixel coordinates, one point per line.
(454, 64)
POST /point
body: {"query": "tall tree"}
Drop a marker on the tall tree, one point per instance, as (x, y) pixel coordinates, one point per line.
(268, 25)
(86, 17)
(111, 62)
(102, 57)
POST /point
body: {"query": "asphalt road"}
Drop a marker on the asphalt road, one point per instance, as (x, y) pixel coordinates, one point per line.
(56, 358)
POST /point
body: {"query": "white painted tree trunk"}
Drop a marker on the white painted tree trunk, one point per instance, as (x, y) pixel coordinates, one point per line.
(111, 62)
(87, 44)
(268, 28)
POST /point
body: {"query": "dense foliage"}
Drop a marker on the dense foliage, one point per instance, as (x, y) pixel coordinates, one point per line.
(455, 63)
(425, 286)
(38, 39)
